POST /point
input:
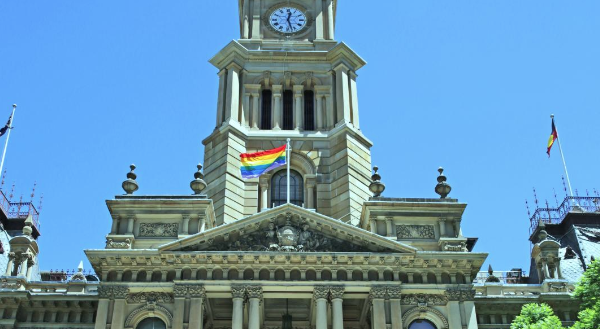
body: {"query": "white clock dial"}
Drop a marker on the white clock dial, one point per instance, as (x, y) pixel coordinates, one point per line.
(287, 20)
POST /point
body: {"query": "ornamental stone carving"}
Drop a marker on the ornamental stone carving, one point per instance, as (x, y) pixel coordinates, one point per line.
(336, 292)
(415, 231)
(394, 292)
(424, 312)
(189, 290)
(12, 283)
(149, 297)
(254, 292)
(112, 292)
(378, 293)
(320, 292)
(149, 308)
(238, 291)
(288, 238)
(424, 299)
(460, 294)
(111, 244)
(159, 229)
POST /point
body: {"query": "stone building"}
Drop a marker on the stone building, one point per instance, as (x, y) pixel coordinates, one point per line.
(235, 254)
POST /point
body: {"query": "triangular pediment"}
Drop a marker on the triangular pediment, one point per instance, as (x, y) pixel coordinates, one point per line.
(288, 228)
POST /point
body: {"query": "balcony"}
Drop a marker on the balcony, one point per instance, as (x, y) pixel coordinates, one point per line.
(14, 214)
(556, 215)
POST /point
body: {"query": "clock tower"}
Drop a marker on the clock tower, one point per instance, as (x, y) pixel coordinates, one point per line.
(287, 77)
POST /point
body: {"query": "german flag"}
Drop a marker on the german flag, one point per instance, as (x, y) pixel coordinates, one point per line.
(553, 137)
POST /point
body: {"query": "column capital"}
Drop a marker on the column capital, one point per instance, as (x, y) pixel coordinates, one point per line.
(352, 74)
(460, 294)
(298, 90)
(276, 89)
(222, 72)
(238, 291)
(320, 292)
(337, 292)
(115, 216)
(189, 290)
(254, 292)
(113, 292)
(234, 66)
(341, 68)
(378, 292)
(394, 292)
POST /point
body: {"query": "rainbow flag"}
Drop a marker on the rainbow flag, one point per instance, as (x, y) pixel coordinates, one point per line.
(256, 164)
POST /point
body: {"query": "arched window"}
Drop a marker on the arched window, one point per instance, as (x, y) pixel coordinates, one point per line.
(151, 323)
(265, 111)
(288, 110)
(279, 188)
(309, 110)
(421, 324)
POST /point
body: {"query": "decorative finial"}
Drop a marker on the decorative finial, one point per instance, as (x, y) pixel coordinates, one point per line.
(442, 188)
(542, 234)
(552, 116)
(490, 269)
(130, 185)
(14, 106)
(376, 186)
(27, 230)
(198, 184)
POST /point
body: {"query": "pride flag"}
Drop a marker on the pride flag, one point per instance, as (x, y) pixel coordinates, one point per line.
(256, 164)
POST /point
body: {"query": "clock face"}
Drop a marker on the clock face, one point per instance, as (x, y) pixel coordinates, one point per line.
(287, 20)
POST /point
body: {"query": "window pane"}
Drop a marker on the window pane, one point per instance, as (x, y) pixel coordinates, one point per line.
(265, 113)
(279, 188)
(288, 110)
(152, 323)
(421, 324)
(309, 110)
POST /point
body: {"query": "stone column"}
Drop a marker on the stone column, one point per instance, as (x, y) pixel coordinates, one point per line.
(330, 111)
(330, 27)
(254, 300)
(237, 319)
(246, 20)
(23, 268)
(377, 297)
(389, 226)
(118, 293)
(354, 99)
(256, 20)
(130, 222)
(185, 225)
(115, 224)
(395, 308)
(320, 295)
(276, 90)
(319, 110)
(470, 317)
(342, 94)
(11, 262)
(310, 191)
(232, 94)
(264, 193)
(255, 110)
(220, 105)
(319, 28)
(298, 107)
(102, 313)
(246, 110)
(442, 222)
(178, 310)
(197, 295)
(336, 305)
(373, 222)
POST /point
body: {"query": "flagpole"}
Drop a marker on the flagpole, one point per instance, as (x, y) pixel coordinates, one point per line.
(12, 117)
(288, 150)
(563, 160)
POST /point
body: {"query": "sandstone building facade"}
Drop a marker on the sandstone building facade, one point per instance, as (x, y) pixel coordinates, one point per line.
(234, 254)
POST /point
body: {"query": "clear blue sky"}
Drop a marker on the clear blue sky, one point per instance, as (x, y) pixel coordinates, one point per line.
(467, 85)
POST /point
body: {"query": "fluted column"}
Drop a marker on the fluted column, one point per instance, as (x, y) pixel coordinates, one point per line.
(115, 224)
(377, 297)
(237, 319)
(320, 295)
(254, 300)
(276, 90)
(337, 294)
(255, 110)
(220, 104)
(298, 106)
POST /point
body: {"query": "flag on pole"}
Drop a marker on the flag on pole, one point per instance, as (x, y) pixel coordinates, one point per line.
(4, 129)
(553, 137)
(256, 164)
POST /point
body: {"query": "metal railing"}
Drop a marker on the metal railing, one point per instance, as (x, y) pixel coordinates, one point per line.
(65, 275)
(506, 277)
(556, 215)
(19, 210)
